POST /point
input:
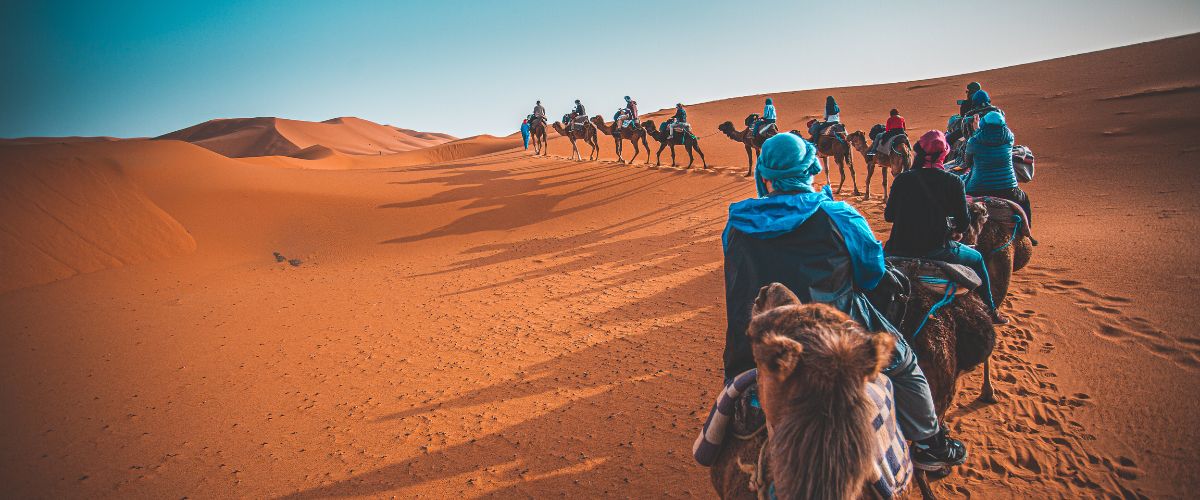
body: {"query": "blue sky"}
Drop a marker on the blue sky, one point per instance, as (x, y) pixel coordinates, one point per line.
(130, 69)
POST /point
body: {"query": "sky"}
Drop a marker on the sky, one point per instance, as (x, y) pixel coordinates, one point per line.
(136, 69)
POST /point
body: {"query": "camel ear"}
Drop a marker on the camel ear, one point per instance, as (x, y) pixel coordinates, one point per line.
(772, 296)
(778, 355)
(880, 350)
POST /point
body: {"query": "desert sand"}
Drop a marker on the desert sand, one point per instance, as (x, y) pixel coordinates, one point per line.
(466, 320)
(242, 137)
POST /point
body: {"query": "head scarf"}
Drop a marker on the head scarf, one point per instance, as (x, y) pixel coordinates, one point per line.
(992, 118)
(972, 87)
(769, 101)
(980, 98)
(788, 161)
(933, 145)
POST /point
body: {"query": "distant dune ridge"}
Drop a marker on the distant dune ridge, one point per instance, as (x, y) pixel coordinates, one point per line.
(267, 136)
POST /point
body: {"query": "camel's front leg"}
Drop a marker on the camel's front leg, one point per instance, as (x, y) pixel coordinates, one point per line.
(825, 163)
(841, 173)
(672, 155)
(658, 157)
(870, 173)
(853, 178)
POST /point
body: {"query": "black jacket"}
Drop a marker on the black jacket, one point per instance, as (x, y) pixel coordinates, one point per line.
(812, 261)
(920, 201)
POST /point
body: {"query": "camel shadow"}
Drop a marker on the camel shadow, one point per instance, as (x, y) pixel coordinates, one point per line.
(616, 416)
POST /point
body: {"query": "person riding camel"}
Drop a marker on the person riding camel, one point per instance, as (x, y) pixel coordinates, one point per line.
(824, 251)
(631, 113)
(895, 126)
(539, 112)
(579, 111)
(833, 114)
(989, 158)
(965, 105)
(768, 117)
(928, 212)
(679, 121)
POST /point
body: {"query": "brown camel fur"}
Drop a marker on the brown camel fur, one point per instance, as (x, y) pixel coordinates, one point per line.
(813, 364)
(688, 141)
(621, 134)
(898, 160)
(991, 237)
(953, 341)
(537, 129)
(828, 147)
(588, 135)
(747, 137)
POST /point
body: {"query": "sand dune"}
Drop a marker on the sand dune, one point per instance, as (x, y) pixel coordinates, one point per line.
(468, 321)
(243, 137)
(65, 215)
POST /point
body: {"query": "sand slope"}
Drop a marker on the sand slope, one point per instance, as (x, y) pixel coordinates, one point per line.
(65, 215)
(469, 321)
(241, 137)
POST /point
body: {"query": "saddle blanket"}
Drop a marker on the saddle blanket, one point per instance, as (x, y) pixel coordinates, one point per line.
(893, 467)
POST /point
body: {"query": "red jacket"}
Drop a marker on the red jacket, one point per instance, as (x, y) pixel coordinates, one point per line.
(895, 123)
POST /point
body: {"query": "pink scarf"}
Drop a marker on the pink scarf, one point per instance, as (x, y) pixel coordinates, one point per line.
(934, 147)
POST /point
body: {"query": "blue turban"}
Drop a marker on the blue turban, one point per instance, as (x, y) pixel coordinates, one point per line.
(980, 98)
(788, 161)
(993, 118)
(769, 100)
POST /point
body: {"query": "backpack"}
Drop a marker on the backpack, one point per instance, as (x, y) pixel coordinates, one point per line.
(1023, 163)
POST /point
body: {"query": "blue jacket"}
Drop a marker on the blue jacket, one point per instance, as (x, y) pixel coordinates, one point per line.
(769, 112)
(820, 249)
(524, 128)
(990, 150)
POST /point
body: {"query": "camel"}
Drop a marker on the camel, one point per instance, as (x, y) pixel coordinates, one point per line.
(746, 136)
(951, 342)
(954, 340)
(1006, 245)
(899, 159)
(829, 146)
(814, 364)
(688, 141)
(588, 135)
(621, 134)
(537, 129)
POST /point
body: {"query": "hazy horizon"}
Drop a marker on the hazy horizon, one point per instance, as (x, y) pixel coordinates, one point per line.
(142, 69)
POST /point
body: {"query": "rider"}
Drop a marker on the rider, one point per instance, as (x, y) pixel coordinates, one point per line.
(895, 126)
(578, 111)
(927, 208)
(832, 115)
(679, 120)
(539, 112)
(823, 251)
(989, 156)
(631, 110)
(965, 105)
(768, 116)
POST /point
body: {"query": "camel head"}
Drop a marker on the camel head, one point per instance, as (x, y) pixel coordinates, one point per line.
(559, 128)
(598, 121)
(650, 128)
(858, 139)
(979, 217)
(813, 364)
(727, 128)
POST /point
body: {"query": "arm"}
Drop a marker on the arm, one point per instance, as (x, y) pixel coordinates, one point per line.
(958, 206)
(866, 252)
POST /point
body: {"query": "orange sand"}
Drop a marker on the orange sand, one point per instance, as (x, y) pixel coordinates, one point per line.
(240, 137)
(468, 321)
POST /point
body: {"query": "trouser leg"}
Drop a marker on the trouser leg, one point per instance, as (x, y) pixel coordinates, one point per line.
(915, 412)
(957, 253)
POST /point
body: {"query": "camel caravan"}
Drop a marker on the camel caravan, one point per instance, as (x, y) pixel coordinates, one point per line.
(842, 354)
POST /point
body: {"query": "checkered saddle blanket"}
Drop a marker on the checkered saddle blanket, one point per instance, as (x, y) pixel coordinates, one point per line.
(737, 413)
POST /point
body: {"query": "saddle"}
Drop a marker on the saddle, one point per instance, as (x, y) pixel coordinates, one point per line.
(739, 415)
(887, 145)
(938, 275)
(1023, 163)
(1002, 210)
